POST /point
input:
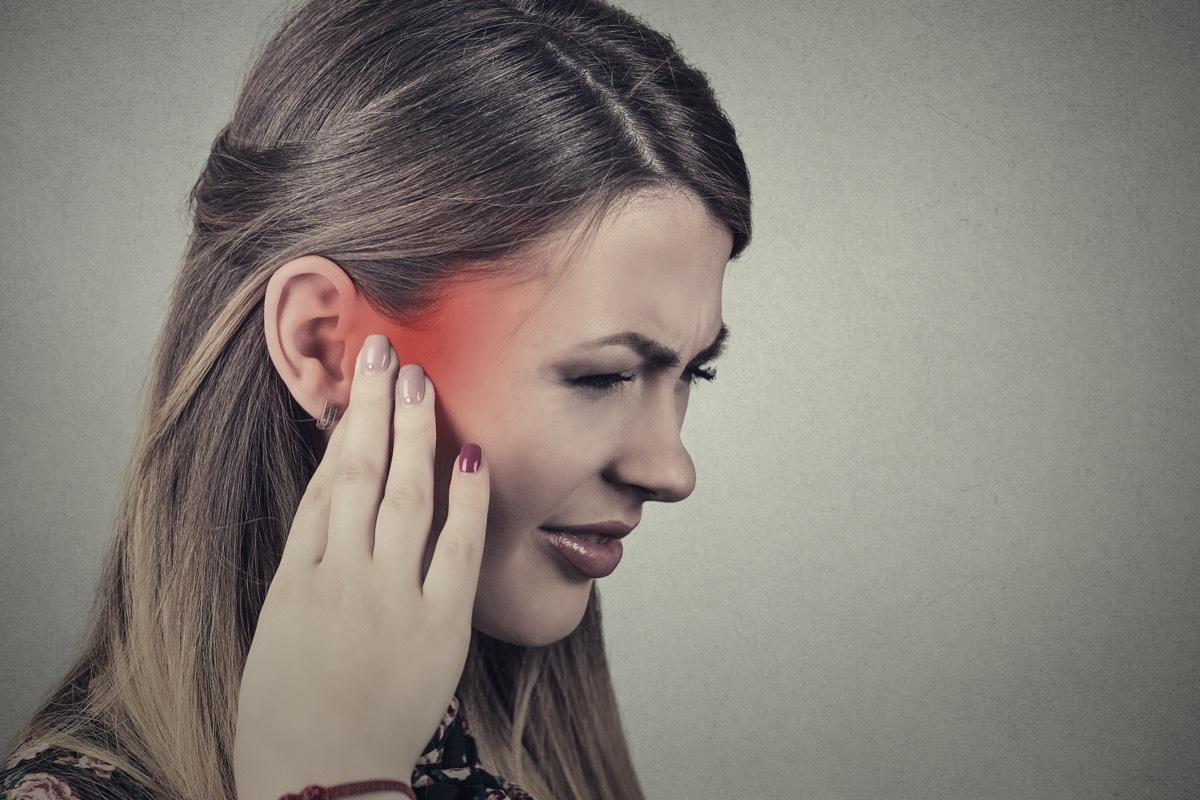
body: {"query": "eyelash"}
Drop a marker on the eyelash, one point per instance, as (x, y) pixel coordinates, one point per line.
(611, 381)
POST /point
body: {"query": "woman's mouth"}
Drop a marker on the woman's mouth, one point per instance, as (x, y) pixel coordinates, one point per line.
(591, 550)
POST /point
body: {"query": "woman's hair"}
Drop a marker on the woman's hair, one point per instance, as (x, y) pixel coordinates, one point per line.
(408, 141)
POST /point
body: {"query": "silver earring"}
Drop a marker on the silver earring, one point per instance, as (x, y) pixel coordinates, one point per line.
(328, 416)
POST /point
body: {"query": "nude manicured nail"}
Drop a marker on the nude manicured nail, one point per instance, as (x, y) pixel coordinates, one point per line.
(411, 384)
(377, 355)
(469, 458)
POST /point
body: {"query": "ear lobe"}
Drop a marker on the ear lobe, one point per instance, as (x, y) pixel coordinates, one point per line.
(307, 314)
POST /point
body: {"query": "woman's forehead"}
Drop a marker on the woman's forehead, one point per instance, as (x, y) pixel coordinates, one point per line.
(654, 265)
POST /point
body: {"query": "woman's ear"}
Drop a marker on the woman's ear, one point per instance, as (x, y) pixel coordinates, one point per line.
(309, 314)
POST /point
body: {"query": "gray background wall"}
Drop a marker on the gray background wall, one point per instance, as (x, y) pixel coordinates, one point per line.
(945, 541)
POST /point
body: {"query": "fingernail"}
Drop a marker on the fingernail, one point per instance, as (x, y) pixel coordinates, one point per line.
(377, 355)
(411, 384)
(469, 458)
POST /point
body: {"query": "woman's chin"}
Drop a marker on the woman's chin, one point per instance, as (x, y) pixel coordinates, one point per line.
(531, 624)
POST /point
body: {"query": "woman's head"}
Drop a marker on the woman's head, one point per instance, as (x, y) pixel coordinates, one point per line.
(573, 375)
(437, 156)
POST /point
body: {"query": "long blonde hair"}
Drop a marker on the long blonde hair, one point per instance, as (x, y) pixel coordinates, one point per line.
(407, 142)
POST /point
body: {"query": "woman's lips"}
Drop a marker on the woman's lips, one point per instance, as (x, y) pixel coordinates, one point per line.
(592, 550)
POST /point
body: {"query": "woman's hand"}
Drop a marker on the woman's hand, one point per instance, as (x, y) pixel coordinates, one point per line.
(355, 658)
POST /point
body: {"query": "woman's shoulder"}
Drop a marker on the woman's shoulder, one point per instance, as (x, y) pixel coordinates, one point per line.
(38, 771)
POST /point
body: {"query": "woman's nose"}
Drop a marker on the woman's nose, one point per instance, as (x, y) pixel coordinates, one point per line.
(651, 457)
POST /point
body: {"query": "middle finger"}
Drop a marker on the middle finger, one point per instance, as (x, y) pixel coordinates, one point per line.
(406, 514)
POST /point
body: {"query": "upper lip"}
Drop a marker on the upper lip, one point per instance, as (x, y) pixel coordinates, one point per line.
(614, 529)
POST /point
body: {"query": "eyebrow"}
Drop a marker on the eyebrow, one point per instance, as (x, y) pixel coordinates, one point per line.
(658, 354)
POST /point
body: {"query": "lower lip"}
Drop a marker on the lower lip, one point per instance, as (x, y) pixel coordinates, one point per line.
(593, 559)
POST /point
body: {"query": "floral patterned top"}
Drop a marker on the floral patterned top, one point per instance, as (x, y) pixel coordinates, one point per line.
(449, 769)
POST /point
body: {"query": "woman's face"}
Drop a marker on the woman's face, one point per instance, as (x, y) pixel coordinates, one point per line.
(575, 383)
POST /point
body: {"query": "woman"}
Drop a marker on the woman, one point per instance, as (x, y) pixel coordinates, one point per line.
(438, 238)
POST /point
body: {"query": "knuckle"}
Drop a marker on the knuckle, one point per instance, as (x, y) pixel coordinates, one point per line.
(404, 497)
(331, 590)
(415, 424)
(355, 471)
(347, 590)
(315, 495)
(373, 395)
(339, 583)
(471, 503)
(459, 547)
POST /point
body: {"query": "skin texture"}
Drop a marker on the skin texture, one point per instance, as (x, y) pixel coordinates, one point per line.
(507, 357)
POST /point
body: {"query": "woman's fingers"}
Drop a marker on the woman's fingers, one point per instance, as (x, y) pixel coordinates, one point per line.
(354, 641)
(310, 528)
(406, 512)
(362, 463)
(371, 497)
(454, 572)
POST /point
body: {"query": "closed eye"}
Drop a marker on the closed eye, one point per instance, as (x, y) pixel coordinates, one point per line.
(601, 384)
(610, 382)
(654, 356)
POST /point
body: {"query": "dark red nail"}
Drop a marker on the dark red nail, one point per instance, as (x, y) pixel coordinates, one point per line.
(469, 458)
